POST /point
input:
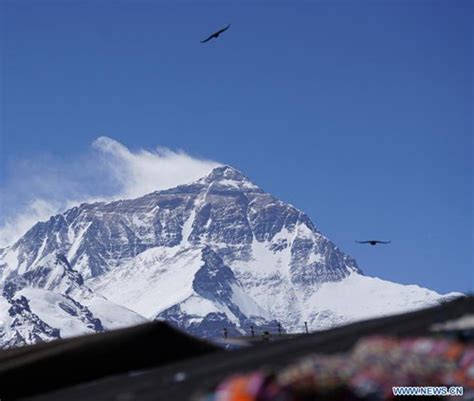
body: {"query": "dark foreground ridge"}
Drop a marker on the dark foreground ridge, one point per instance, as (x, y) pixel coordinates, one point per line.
(45, 367)
(155, 362)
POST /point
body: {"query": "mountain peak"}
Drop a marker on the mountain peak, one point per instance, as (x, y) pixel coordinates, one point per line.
(226, 173)
(230, 177)
(217, 252)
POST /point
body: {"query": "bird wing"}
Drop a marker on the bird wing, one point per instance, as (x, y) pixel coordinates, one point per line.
(222, 30)
(363, 242)
(384, 242)
(208, 39)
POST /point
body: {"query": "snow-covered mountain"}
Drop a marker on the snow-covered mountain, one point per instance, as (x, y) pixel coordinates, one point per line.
(52, 301)
(219, 252)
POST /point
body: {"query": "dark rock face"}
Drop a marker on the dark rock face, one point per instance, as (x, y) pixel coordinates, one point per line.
(214, 278)
(28, 327)
(74, 308)
(9, 290)
(210, 327)
(213, 326)
(214, 281)
(50, 274)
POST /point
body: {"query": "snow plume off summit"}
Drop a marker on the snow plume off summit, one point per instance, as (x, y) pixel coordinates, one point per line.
(219, 252)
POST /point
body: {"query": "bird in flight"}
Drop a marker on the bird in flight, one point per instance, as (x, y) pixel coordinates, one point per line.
(373, 242)
(216, 34)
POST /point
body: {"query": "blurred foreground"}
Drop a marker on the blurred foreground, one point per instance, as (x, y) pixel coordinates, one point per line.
(156, 362)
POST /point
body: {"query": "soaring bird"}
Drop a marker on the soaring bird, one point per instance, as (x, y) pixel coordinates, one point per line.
(373, 242)
(215, 34)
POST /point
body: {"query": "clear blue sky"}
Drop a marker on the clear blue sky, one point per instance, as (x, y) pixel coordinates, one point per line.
(359, 112)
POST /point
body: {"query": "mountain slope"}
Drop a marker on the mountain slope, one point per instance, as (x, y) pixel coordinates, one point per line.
(42, 304)
(219, 252)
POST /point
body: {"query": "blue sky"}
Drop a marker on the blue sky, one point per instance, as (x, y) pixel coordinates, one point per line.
(358, 113)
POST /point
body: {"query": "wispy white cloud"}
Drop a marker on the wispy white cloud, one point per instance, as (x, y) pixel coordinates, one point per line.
(142, 172)
(17, 225)
(38, 188)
